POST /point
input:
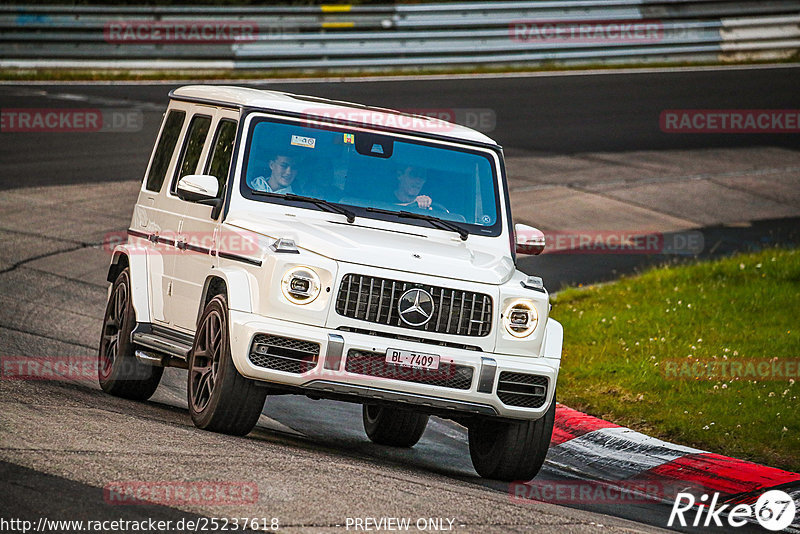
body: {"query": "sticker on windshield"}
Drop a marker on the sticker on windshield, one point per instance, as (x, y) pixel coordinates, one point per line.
(350, 139)
(299, 140)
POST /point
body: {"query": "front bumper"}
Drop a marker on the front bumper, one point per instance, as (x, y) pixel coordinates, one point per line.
(330, 376)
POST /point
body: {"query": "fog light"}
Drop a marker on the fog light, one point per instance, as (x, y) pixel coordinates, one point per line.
(300, 285)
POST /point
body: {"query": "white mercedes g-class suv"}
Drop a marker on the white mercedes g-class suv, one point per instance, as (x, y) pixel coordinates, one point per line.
(285, 244)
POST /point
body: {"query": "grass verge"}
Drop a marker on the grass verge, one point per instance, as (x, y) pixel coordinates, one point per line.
(654, 352)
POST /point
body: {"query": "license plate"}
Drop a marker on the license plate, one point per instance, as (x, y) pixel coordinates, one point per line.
(407, 358)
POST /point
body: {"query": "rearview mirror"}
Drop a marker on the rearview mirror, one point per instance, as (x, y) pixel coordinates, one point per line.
(528, 240)
(198, 187)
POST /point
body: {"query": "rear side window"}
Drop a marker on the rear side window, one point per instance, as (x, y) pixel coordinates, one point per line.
(164, 150)
(192, 147)
(220, 162)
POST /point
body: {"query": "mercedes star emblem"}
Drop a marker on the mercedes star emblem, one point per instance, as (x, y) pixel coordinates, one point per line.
(415, 307)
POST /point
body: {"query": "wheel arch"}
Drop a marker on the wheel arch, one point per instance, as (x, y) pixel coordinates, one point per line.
(118, 263)
(135, 259)
(232, 283)
(553, 340)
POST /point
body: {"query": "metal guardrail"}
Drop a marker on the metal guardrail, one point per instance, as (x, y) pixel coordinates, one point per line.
(313, 37)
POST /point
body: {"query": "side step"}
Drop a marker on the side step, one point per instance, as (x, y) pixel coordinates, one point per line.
(160, 360)
(168, 347)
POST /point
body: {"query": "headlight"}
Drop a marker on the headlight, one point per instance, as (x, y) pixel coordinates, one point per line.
(300, 285)
(520, 318)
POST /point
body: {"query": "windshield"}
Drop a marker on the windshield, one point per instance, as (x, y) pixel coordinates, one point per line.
(363, 170)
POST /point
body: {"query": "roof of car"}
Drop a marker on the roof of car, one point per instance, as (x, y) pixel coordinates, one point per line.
(342, 111)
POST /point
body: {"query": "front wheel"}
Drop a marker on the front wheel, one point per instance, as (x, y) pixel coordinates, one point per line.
(220, 399)
(511, 451)
(393, 426)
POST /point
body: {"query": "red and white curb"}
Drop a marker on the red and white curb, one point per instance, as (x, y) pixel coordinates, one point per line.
(609, 455)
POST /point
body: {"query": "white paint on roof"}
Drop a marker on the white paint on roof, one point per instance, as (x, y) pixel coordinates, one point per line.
(369, 116)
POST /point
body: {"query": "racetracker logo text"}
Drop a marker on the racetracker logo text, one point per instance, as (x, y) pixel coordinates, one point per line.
(592, 241)
(570, 31)
(180, 31)
(421, 119)
(171, 493)
(48, 367)
(688, 121)
(24, 120)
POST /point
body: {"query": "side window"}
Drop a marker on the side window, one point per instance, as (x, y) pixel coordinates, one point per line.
(164, 149)
(192, 147)
(220, 161)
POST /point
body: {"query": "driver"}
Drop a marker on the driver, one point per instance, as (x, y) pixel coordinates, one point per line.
(410, 181)
(283, 171)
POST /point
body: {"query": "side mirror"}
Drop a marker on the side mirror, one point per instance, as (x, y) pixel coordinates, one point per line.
(528, 240)
(198, 188)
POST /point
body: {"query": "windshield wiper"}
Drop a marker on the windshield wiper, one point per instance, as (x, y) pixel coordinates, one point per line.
(436, 221)
(324, 204)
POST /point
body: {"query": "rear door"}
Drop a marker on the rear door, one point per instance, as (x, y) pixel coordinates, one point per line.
(197, 230)
(151, 218)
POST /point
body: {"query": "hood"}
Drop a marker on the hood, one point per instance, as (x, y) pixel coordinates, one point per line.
(363, 244)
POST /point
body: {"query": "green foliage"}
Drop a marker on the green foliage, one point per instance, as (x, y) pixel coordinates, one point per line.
(621, 338)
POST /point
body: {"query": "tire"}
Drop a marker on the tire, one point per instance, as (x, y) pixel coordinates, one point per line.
(220, 399)
(120, 373)
(392, 426)
(511, 451)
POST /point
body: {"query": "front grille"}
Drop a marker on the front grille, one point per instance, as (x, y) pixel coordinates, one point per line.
(521, 389)
(448, 375)
(373, 299)
(283, 353)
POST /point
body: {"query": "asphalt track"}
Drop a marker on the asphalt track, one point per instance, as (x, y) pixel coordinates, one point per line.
(536, 115)
(559, 116)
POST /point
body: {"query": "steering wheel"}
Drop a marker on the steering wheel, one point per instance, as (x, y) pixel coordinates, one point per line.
(437, 210)
(435, 207)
